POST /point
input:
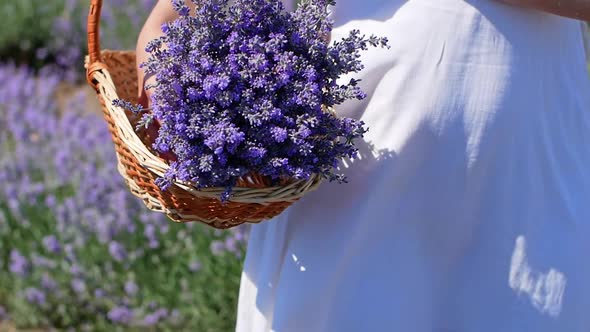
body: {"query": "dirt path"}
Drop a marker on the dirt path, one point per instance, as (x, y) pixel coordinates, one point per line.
(66, 92)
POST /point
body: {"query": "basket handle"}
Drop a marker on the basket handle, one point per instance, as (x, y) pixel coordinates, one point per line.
(95, 62)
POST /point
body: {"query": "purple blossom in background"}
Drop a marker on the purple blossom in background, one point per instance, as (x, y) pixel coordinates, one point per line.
(131, 288)
(155, 317)
(78, 285)
(151, 236)
(151, 319)
(35, 296)
(194, 266)
(117, 251)
(18, 263)
(154, 244)
(165, 227)
(122, 315)
(150, 232)
(51, 201)
(152, 305)
(70, 253)
(76, 269)
(99, 293)
(231, 244)
(217, 247)
(42, 262)
(47, 283)
(51, 244)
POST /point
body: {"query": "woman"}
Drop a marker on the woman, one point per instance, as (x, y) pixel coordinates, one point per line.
(469, 210)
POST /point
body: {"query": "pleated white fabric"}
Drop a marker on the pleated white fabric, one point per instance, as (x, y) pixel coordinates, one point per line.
(469, 210)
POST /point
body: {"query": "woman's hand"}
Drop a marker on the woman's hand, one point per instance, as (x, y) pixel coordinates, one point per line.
(163, 12)
(577, 9)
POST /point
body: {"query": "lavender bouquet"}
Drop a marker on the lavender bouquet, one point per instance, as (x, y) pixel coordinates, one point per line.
(246, 87)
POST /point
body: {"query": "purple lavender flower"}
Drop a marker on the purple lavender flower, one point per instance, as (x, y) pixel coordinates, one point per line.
(51, 201)
(164, 228)
(243, 87)
(153, 244)
(279, 134)
(51, 244)
(47, 283)
(42, 262)
(194, 266)
(231, 244)
(150, 234)
(99, 293)
(122, 315)
(70, 253)
(131, 288)
(151, 319)
(35, 296)
(155, 317)
(117, 251)
(19, 265)
(78, 285)
(76, 269)
(217, 247)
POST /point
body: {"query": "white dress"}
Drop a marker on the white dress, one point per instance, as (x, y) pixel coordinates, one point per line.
(469, 210)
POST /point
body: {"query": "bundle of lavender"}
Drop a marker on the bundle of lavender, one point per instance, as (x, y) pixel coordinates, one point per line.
(246, 87)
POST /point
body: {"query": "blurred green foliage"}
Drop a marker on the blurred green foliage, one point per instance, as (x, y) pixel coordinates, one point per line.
(26, 26)
(40, 32)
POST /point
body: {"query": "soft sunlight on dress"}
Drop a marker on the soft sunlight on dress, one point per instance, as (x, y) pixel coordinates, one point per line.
(469, 209)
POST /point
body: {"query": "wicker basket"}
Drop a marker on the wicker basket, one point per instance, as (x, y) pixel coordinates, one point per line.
(113, 76)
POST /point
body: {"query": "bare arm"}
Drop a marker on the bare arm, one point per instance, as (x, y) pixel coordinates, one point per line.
(162, 13)
(577, 9)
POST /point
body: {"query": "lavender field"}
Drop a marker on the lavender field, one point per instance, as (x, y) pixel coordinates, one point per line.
(77, 251)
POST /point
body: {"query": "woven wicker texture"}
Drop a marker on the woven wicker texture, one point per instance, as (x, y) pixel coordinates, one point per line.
(113, 75)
